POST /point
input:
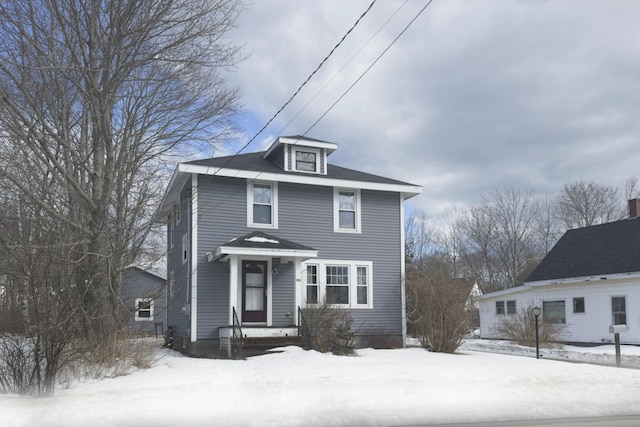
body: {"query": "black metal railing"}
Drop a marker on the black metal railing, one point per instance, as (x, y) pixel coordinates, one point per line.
(237, 335)
(303, 329)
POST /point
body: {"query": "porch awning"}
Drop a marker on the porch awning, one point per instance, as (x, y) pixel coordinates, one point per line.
(258, 243)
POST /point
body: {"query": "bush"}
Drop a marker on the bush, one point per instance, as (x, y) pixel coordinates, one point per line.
(437, 312)
(521, 328)
(329, 329)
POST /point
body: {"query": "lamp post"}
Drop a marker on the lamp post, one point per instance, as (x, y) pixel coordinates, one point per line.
(536, 313)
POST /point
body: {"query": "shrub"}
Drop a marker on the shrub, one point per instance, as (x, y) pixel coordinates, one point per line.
(521, 328)
(437, 312)
(329, 329)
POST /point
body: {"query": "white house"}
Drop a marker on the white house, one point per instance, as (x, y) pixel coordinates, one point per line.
(589, 281)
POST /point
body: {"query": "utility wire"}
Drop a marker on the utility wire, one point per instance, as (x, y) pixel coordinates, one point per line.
(305, 82)
(368, 68)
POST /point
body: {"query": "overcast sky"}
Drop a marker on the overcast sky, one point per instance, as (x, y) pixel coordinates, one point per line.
(476, 95)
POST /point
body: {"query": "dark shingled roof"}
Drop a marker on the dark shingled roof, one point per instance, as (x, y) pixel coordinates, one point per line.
(255, 240)
(255, 162)
(593, 251)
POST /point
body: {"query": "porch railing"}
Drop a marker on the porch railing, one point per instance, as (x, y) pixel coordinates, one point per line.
(303, 329)
(237, 334)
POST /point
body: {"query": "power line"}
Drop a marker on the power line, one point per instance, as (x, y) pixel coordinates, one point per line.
(369, 67)
(306, 81)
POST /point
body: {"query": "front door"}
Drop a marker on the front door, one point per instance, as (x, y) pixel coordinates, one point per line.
(254, 291)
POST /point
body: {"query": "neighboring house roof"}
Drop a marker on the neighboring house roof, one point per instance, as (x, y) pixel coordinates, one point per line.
(258, 243)
(611, 248)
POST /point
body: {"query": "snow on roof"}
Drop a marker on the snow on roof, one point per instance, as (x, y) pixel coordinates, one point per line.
(259, 239)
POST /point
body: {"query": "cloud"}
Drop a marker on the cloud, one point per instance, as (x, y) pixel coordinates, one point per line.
(474, 96)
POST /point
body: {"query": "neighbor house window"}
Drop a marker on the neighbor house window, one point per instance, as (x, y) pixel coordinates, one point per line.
(262, 205)
(511, 307)
(553, 312)
(144, 309)
(619, 310)
(500, 307)
(346, 216)
(339, 282)
(312, 284)
(578, 305)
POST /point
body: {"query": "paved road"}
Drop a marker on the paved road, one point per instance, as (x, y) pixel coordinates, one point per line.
(622, 421)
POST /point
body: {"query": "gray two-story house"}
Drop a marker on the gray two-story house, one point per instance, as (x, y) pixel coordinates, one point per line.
(253, 237)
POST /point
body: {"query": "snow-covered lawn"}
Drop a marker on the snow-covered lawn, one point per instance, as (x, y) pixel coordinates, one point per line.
(376, 387)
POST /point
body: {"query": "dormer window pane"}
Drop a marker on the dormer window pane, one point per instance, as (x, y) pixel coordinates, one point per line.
(305, 161)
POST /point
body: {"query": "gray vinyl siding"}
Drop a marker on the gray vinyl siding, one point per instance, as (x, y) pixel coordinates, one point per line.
(176, 316)
(306, 217)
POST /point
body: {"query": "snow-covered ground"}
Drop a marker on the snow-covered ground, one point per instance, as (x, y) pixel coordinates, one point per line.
(376, 387)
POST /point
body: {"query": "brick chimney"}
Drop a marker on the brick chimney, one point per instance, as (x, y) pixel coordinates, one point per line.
(634, 208)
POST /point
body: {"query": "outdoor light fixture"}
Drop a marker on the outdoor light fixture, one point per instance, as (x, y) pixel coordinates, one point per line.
(536, 313)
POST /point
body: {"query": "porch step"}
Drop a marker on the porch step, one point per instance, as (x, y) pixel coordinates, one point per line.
(255, 346)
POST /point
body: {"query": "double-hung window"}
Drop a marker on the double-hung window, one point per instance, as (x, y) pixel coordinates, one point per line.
(499, 307)
(346, 210)
(262, 204)
(171, 229)
(619, 310)
(144, 309)
(339, 282)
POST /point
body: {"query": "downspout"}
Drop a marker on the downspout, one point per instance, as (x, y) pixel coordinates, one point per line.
(192, 260)
(402, 273)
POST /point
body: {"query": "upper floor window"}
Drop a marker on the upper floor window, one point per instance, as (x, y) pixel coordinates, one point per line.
(178, 209)
(346, 210)
(262, 205)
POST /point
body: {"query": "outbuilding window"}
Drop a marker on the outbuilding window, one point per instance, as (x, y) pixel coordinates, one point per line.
(144, 309)
(619, 310)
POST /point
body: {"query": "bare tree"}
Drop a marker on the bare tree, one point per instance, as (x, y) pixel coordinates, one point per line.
(582, 204)
(95, 95)
(419, 236)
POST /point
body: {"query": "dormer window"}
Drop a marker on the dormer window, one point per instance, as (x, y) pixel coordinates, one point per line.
(305, 159)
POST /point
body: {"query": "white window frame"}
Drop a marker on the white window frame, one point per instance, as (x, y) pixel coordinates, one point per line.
(352, 265)
(137, 316)
(294, 164)
(316, 284)
(336, 210)
(274, 205)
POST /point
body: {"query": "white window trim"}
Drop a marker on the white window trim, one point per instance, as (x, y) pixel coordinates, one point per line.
(274, 205)
(185, 247)
(336, 211)
(316, 151)
(144, 319)
(353, 280)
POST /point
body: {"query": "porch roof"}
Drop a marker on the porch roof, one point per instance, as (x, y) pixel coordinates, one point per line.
(258, 243)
